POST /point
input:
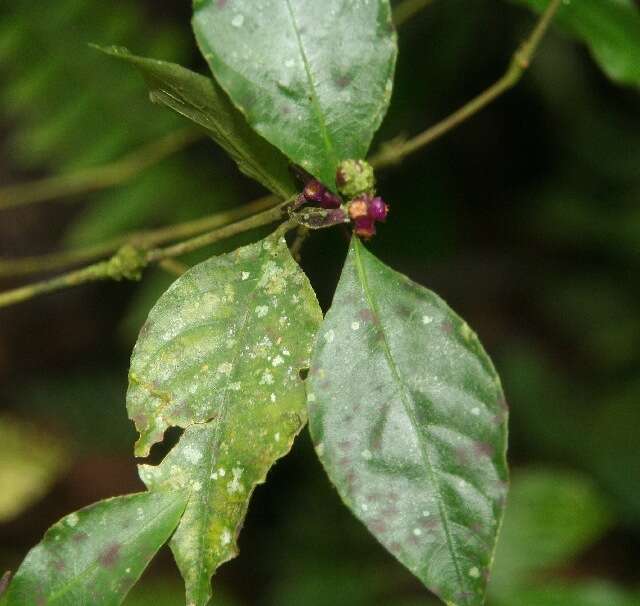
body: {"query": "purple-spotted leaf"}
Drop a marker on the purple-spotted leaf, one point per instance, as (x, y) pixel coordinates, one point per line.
(408, 418)
(220, 355)
(313, 77)
(95, 555)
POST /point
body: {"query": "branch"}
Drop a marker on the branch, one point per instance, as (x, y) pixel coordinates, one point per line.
(141, 239)
(100, 177)
(129, 262)
(395, 151)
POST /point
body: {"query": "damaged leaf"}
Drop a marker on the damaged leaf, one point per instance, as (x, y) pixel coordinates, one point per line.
(220, 355)
(95, 555)
(408, 418)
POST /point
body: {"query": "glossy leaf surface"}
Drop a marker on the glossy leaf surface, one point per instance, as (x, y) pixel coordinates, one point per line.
(202, 101)
(220, 355)
(611, 29)
(95, 555)
(409, 420)
(314, 78)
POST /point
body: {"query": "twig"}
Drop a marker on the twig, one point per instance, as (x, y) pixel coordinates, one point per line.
(100, 177)
(395, 151)
(129, 262)
(408, 9)
(141, 239)
(302, 233)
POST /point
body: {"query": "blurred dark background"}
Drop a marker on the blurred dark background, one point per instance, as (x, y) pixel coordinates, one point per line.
(526, 219)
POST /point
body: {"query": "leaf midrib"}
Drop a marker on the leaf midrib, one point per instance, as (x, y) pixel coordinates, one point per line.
(410, 413)
(315, 101)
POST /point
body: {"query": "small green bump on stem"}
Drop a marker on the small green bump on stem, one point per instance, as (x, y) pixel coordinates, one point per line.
(127, 264)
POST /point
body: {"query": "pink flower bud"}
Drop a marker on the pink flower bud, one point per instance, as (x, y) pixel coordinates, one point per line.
(314, 191)
(330, 200)
(365, 227)
(378, 210)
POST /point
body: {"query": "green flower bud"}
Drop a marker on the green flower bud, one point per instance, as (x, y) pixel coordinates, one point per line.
(355, 177)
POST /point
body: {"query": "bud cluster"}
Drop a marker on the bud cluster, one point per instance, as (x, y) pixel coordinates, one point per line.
(355, 182)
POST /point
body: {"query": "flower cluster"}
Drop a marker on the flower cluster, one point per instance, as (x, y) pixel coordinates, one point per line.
(365, 211)
(356, 183)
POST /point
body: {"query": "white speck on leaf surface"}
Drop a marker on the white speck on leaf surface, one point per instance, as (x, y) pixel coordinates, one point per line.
(235, 485)
(329, 336)
(355, 325)
(427, 319)
(261, 311)
(266, 378)
(475, 411)
(193, 455)
(237, 21)
(225, 537)
(474, 572)
(72, 519)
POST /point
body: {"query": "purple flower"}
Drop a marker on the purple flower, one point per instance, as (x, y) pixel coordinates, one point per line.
(378, 210)
(330, 200)
(314, 191)
(365, 226)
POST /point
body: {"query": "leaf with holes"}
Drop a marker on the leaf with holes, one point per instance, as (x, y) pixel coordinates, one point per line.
(220, 355)
(95, 555)
(201, 100)
(314, 78)
(611, 29)
(408, 418)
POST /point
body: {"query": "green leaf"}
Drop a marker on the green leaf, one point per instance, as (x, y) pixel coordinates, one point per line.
(551, 516)
(408, 417)
(314, 78)
(202, 101)
(220, 355)
(95, 555)
(611, 29)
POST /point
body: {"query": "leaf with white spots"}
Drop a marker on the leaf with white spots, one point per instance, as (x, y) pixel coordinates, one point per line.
(220, 355)
(95, 555)
(312, 77)
(409, 420)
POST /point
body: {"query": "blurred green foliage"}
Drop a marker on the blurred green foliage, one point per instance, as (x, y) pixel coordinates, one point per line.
(526, 220)
(30, 462)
